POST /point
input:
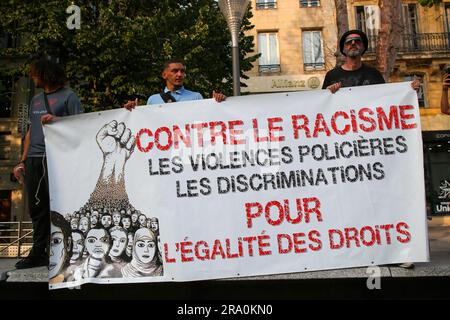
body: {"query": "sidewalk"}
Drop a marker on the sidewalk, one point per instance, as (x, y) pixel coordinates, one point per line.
(439, 265)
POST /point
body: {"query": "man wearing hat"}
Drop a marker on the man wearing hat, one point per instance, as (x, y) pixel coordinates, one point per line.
(353, 44)
(353, 72)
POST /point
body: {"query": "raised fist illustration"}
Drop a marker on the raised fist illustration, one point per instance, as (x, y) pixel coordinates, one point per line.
(117, 144)
(116, 139)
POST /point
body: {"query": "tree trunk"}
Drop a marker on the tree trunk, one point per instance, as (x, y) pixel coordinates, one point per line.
(342, 27)
(389, 36)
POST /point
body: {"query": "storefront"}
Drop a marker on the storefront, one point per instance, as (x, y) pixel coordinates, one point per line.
(436, 146)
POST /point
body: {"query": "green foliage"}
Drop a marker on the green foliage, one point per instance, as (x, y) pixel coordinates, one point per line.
(121, 46)
(429, 3)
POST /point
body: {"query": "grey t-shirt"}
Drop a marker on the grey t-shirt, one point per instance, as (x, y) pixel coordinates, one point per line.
(62, 102)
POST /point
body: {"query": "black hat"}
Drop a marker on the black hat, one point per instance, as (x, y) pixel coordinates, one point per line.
(358, 32)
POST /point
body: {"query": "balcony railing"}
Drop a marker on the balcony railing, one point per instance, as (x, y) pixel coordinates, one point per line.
(269, 68)
(314, 65)
(309, 3)
(266, 5)
(422, 42)
(16, 239)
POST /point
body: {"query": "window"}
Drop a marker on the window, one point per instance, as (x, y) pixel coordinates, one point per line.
(368, 21)
(447, 25)
(268, 48)
(266, 4)
(421, 93)
(410, 19)
(309, 3)
(447, 17)
(312, 50)
(410, 39)
(360, 19)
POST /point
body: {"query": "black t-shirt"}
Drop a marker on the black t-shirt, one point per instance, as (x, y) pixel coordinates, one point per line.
(362, 77)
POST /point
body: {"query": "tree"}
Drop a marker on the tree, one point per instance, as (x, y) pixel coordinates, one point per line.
(342, 27)
(389, 36)
(122, 44)
(429, 3)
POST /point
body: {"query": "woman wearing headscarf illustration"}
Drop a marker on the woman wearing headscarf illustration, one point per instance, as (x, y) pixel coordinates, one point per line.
(145, 262)
(60, 247)
(116, 254)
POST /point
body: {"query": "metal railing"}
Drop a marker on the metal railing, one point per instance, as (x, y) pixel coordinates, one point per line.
(16, 239)
(266, 5)
(309, 3)
(421, 42)
(313, 65)
(269, 68)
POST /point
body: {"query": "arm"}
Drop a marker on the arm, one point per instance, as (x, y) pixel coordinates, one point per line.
(74, 105)
(444, 99)
(19, 169)
(117, 144)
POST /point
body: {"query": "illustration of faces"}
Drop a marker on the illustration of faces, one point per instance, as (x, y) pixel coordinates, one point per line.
(129, 249)
(84, 224)
(116, 218)
(94, 219)
(97, 243)
(148, 223)
(119, 238)
(106, 221)
(154, 224)
(78, 246)
(158, 241)
(126, 222)
(74, 223)
(145, 248)
(57, 251)
(134, 217)
(142, 220)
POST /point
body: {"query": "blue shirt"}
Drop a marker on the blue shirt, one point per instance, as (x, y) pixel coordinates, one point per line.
(62, 102)
(180, 95)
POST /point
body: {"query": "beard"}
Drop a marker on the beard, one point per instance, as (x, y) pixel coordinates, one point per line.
(353, 53)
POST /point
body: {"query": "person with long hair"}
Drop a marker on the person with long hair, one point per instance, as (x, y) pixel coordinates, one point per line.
(56, 100)
(60, 247)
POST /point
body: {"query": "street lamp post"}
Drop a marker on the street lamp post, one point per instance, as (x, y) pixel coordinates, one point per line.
(233, 11)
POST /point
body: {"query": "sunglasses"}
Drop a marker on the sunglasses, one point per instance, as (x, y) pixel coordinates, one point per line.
(356, 40)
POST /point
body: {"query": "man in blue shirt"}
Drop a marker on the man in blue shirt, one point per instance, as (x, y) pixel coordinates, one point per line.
(173, 74)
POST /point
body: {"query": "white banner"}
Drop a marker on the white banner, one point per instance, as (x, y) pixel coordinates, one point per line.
(255, 185)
